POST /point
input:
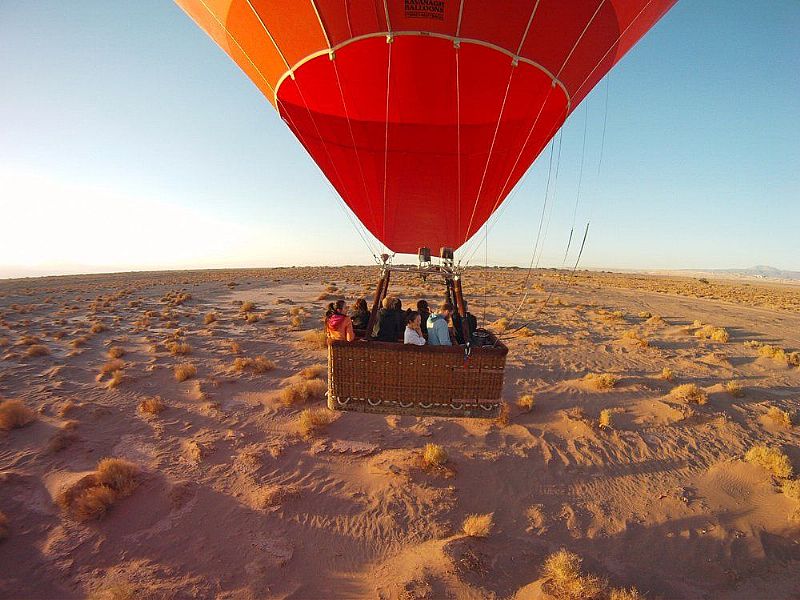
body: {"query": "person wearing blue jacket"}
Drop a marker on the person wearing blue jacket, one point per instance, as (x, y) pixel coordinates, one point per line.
(438, 333)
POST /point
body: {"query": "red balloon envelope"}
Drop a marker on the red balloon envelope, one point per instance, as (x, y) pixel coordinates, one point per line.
(424, 114)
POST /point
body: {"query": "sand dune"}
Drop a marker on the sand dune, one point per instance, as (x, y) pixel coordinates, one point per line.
(234, 498)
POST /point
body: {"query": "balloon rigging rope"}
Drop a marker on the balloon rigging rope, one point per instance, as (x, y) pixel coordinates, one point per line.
(386, 140)
(580, 180)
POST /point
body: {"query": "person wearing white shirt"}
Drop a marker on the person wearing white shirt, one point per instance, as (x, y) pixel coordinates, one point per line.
(413, 333)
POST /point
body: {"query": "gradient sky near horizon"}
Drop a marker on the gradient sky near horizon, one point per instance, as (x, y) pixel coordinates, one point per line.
(130, 141)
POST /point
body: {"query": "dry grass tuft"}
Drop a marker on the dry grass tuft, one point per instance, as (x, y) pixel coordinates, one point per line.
(116, 352)
(606, 420)
(303, 391)
(314, 372)
(97, 328)
(735, 389)
(434, 455)
(709, 332)
(315, 340)
(117, 379)
(501, 324)
(781, 417)
(634, 336)
(14, 414)
(210, 318)
(152, 406)
(601, 381)
(625, 594)
(772, 459)
(666, 374)
(689, 393)
(565, 581)
(179, 348)
(312, 421)
(110, 367)
(247, 306)
(91, 497)
(478, 525)
(274, 495)
(526, 402)
(184, 371)
(234, 347)
(645, 314)
(37, 350)
(259, 365)
(791, 359)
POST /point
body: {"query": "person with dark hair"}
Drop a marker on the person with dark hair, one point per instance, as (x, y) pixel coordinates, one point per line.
(360, 314)
(472, 325)
(424, 313)
(338, 326)
(391, 320)
(413, 333)
(438, 332)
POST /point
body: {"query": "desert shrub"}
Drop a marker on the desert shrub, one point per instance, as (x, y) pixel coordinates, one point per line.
(111, 366)
(179, 348)
(777, 354)
(3, 526)
(247, 306)
(315, 340)
(14, 414)
(37, 350)
(313, 420)
(93, 495)
(565, 580)
(314, 372)
(303, 391)
(501, 324)
(781, 417)
(116, 352)
(184, 371)
(258, 364)
(478, 525)
(234, 347)
(152, 406)
(666, 374)
(645, 314)
(634, 336)
(689, 393)
(526, 402)
(772, 459)
(210, 318)
(434, 455)
(606, 420)
(252, 318)
(117, 379)
(709, 332)
(753, 344)
(97, 328)
(625, 594)
(601, 381)
(735, 389)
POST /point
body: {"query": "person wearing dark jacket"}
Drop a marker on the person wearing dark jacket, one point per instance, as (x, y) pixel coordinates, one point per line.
(360, 314)
(424, 312)
(472, 325)
(391, 321)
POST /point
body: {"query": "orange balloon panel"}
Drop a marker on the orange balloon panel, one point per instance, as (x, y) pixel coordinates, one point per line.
(424, 114)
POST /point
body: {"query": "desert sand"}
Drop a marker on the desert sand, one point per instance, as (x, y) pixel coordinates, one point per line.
(230, 494)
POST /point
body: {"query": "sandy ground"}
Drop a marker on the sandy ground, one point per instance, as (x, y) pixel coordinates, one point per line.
(233, 501)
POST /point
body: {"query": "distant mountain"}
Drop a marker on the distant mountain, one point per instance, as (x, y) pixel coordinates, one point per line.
(761, 271)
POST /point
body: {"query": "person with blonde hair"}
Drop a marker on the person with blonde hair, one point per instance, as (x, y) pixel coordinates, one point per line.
(391, 320)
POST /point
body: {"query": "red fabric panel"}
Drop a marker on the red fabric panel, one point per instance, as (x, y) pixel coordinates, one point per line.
(346, 19)
(423, 203)
(500, 22)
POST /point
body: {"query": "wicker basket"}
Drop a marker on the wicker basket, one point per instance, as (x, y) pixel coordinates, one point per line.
(403, 379)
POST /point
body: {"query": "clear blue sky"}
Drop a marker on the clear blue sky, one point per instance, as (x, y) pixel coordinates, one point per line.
(129, 140)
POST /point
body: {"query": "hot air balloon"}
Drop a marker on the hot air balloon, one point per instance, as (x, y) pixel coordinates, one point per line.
(423, 115)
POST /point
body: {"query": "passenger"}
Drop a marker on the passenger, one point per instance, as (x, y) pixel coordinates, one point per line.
(424, 313)
(472, 325)
(438, 332)
(391, 321)
(413, 333)
(360, 314)
(338, 326)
